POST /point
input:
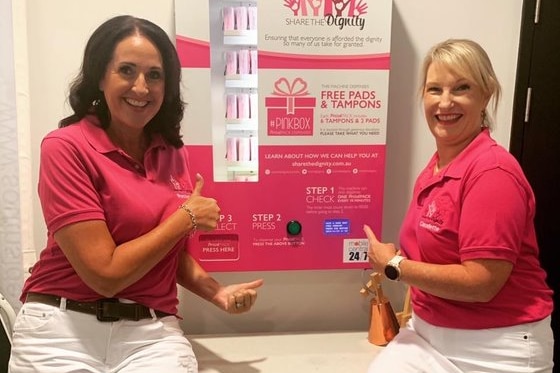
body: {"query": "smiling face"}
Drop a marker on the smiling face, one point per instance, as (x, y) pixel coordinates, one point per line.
(134, 83)
(453, 106)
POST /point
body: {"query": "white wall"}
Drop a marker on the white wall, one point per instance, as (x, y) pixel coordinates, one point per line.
(11, 233)
(302, 300)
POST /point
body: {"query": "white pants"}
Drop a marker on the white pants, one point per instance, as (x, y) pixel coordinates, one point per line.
(424, 348)
(47, 339)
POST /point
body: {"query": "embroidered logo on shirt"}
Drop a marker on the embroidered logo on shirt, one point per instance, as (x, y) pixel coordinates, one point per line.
(176, 185)
(179, 186)
(432, 218)
(433, 213)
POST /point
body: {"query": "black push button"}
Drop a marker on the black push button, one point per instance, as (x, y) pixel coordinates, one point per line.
(293, 227)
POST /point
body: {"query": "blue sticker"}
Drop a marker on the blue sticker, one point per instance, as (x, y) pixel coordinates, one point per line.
(337, 227)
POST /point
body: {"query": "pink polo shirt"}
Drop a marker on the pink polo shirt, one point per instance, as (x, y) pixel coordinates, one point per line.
(479, 207)
(83, 176)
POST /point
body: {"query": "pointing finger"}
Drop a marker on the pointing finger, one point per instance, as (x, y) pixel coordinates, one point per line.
(254, 284)
(369, 233)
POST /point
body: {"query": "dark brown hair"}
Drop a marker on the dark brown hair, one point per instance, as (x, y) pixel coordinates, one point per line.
(86, 98)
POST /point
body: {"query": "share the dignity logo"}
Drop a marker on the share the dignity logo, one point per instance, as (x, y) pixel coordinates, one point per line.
(338, 13)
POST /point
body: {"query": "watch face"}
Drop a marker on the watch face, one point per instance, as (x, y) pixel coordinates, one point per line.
(391, 273)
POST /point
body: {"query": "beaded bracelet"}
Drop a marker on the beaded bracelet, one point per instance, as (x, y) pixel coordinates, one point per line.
(191, 214)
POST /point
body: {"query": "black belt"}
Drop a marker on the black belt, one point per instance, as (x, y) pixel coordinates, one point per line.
(106, 309)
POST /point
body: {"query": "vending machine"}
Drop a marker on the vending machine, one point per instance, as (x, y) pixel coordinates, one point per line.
(286, 118)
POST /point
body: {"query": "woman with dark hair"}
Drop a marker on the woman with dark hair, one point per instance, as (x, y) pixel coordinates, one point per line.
(119, 205)
(86, 97)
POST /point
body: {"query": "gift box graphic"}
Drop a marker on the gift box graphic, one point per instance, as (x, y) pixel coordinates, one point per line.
(289, 110)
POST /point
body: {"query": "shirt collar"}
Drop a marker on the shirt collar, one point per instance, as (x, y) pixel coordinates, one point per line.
(459, 165)
(100, 141)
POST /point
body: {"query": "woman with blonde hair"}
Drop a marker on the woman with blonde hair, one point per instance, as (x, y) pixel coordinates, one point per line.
(468, 248)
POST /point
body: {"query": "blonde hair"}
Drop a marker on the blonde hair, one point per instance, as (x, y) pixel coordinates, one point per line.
(467, 58)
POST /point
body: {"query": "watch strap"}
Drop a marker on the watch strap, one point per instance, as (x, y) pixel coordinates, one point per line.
(395, 262)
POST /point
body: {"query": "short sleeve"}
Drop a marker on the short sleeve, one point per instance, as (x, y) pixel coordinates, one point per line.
(66, 190)
(494, 216)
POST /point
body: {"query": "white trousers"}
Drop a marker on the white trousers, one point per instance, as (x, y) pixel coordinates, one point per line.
(424, 348)
(47, 339)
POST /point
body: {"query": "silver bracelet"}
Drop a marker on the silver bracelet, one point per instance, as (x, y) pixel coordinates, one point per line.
(191, 214)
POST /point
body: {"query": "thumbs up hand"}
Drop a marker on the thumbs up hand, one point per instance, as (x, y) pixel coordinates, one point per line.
(205, 210)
